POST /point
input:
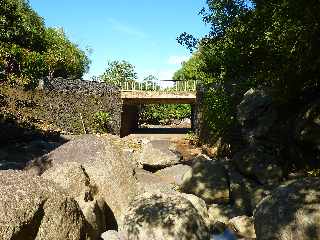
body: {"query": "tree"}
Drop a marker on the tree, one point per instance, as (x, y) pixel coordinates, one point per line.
(219, 14)
(20, 25)
(119, 72)
(30, 51)
(62, 57)
(193, 69)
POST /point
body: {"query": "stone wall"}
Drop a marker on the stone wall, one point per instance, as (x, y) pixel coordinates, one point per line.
(69, 105)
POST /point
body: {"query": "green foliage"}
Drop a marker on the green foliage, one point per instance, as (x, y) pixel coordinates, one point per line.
(118, 72)
(193, 69)
(157, 113)
(63, 58)
(21, 25)
(218, 111)
(30, 51)
(270, 44)
(102, 121)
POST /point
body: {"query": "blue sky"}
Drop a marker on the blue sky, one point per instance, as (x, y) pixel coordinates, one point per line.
(142, 32)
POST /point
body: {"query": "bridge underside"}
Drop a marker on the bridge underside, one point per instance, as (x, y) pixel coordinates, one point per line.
(132, 101)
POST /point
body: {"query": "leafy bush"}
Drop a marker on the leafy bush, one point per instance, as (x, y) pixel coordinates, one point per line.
(102, 121)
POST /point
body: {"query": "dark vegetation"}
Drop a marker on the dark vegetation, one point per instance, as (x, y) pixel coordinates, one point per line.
(271, 45)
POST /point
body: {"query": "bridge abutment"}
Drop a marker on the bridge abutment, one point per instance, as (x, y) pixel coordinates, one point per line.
(129, 119)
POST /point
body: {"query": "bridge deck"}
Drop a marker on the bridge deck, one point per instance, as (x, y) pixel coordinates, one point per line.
(154, 97)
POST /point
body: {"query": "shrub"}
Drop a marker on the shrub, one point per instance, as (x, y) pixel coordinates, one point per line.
(102, 120)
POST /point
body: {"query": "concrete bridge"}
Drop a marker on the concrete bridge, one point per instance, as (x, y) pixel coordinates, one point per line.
(183, 92)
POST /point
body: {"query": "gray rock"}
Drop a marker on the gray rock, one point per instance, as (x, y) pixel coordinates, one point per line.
(33, 208)
(74, 180)
(149, 182)
(163, 217)
(207, 180)
(159, 154)
(292, 211)
(173, 174)
(104, 164)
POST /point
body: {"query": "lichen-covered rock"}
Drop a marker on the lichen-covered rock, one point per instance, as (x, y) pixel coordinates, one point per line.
(173, 174)
(163, 217)
(292, 211)
(104, 164)
(158, 154)
(207, 180)
(33, 208)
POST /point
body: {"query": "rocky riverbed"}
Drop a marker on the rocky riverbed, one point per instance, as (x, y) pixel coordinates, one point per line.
(105, 187)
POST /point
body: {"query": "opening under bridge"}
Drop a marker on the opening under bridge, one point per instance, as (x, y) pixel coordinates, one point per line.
(134, 94)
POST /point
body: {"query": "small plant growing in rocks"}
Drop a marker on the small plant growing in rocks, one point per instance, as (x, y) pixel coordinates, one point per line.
(102, 120)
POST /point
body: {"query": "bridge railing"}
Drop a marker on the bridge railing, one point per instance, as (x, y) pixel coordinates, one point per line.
(177, 86)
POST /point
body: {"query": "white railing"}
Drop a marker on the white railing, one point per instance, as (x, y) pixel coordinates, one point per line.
(178, 86)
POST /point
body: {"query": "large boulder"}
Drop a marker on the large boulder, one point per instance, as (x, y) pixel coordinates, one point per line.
(199, 204)
(292, 211)
(256, 115)
(163, 217)
(173, 174)
(104, 163)
(158, 154)
(257, 163)
(245, 194)
(73, 179)
(33, 208)
(207, 180)
(149, 182)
